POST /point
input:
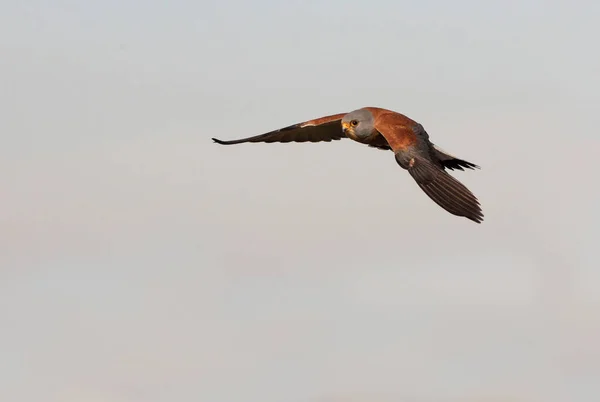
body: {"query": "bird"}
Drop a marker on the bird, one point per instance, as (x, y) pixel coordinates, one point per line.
(391, 131)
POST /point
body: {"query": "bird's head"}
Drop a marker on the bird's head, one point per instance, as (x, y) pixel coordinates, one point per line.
(359, 125)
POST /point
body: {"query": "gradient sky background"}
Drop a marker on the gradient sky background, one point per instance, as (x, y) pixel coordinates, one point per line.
(140, 262)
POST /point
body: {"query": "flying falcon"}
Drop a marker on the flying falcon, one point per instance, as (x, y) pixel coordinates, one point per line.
(389, 130)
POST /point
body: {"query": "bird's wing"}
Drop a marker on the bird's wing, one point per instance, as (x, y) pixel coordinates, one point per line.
(442, 188)
(322, 129)
(412, 154)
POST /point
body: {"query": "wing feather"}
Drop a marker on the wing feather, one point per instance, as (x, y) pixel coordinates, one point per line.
(412, 149)
(323, 129)
(442, 188)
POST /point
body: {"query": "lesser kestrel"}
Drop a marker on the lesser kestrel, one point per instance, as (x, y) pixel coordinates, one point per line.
(389, 130)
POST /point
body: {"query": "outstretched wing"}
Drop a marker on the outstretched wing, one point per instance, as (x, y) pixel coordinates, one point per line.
(326, 129)
(412, 151)
(444, 189)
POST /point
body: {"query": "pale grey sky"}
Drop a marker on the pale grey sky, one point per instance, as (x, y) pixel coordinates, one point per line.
(140, 262)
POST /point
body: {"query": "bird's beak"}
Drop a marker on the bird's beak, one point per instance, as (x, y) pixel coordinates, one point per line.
(345, 126)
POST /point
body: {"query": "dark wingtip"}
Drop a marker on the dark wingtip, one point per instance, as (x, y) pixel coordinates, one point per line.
(477, 219)
(446, 191)
(218, 141)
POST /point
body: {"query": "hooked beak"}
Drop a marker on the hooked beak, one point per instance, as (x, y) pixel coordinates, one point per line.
(345, 126)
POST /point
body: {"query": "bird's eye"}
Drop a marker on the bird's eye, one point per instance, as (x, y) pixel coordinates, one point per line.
(354, 123)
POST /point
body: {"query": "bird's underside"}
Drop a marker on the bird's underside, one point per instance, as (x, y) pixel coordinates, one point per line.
(387, 130)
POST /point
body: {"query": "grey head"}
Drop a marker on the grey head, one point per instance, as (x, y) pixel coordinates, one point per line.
(359, 124)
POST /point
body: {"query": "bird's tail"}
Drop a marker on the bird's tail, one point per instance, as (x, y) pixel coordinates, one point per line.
(450, 161)
(445, 190)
